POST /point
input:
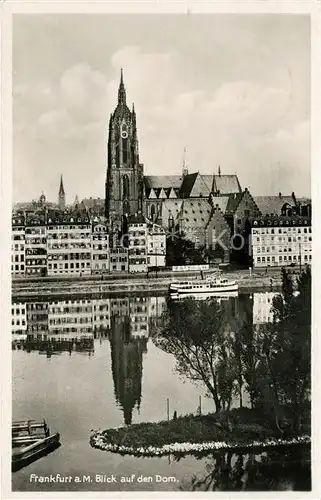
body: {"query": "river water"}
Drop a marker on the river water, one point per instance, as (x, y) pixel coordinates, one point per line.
(102, 371)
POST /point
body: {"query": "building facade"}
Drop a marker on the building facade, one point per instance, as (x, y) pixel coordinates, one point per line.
(99, 248)
(137, 244)
(156, 246)
(36, 244)
(281, 241)
(18, 245)
(69, 243)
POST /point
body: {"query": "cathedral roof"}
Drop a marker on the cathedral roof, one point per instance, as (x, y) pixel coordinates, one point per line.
(220, 202)
(226, 184)
(195, 213)
(162, 181)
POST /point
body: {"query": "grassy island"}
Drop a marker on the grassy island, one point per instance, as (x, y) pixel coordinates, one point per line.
(239, 428)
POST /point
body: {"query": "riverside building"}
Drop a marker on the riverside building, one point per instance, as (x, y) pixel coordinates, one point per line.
(35, 244)
(156, 246)
(99, 248)
(281, 241)
(18, 245)
(137, 241)
(69, 243)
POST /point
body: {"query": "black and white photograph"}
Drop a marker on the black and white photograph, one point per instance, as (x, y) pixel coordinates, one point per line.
(161, 252)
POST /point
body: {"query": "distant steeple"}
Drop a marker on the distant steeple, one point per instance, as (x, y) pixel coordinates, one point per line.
(219, 171)
(76, 202)
(61, 195)
(121, 90)
(185, 169)
(61, 189)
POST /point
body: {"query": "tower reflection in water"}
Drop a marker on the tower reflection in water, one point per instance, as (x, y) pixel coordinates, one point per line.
(71, 326)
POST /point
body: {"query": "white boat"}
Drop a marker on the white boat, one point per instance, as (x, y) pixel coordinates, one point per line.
(212, 286)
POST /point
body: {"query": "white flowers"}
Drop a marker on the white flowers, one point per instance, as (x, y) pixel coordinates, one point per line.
(98, 441)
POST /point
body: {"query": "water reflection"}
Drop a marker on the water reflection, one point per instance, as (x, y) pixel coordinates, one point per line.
(107, 340)
(273, 470)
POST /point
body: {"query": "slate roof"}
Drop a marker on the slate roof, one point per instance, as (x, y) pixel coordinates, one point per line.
(226, 184)
(272, 204)
(187, 185)
(163, 181)
(171, 207)
(233, 202)
(220, 202)
(195, 213)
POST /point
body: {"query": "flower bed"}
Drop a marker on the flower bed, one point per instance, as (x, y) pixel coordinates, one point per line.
(237, 429)
(98, 440)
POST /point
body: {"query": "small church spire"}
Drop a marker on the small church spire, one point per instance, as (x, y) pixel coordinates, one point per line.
(61, 195)
(185, 169)
(121, 89)
(219, 171)
(61, 189)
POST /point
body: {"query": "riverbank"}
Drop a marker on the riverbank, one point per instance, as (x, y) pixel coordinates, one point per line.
(243, 430)
(23, 288)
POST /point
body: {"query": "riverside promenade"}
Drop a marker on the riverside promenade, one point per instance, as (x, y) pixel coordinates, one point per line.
(136, 284)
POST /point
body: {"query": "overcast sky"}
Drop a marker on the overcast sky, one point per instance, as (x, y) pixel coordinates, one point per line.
(233, 89)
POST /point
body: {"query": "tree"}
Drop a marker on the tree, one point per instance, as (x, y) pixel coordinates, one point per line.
(286, 345)
(196, 334)
(181, 251)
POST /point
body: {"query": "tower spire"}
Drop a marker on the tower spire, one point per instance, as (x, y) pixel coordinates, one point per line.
(61, 195)
(121, 89)
(185, 169)
(61, 189)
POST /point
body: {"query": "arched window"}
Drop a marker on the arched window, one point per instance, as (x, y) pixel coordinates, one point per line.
(126, 208)
(125, 150)
(125, 186)
(152, 212)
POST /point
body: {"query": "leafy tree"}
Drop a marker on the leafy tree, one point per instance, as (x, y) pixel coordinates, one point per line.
(196, 334)
(181, 251)
(286, 345)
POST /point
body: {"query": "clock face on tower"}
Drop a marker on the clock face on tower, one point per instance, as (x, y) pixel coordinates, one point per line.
(124, 132)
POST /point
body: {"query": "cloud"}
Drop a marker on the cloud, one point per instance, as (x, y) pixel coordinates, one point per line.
(258, 129)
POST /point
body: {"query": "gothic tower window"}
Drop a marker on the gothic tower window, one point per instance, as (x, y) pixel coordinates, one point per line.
(153, 212)
(126, 208)
(125, 186)
(125, 151)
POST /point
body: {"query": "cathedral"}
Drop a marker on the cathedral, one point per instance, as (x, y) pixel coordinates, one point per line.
(164, 199)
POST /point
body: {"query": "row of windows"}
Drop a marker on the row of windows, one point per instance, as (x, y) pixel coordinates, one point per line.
(67, 321)
(279, 249)
(57, 246)
(17, 258)
(18, 323)
(137, 242)
(118, 259)
(18, 268)
(100, 257)
(283, 230)
(18, 248)
(137, 261)
(284, 239)
(69, 236)
(70, 256)
(36, 262)
(66, 265)
(285, 258)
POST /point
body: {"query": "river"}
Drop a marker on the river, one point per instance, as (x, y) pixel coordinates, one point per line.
(113, 375)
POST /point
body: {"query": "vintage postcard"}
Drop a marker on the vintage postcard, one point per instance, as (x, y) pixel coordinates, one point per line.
(157, 248)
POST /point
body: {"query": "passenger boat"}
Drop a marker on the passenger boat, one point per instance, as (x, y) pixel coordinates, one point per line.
(30, 441)
(212, 286)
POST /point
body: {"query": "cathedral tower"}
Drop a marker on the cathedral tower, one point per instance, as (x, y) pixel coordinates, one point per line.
(124, 182)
